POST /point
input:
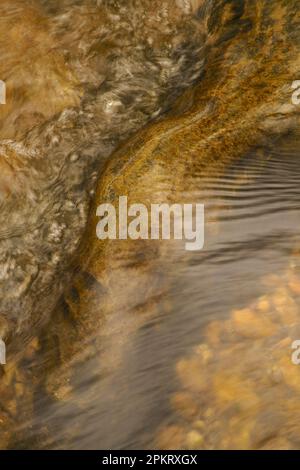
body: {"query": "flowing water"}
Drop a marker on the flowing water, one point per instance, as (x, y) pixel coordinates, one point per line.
(139, 343)
(252, 235)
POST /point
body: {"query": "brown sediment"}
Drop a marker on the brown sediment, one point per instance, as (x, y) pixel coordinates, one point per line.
(240, 382)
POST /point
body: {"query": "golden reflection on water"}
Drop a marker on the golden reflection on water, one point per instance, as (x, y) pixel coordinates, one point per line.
(194, 355)
(150, 345)
(239, 388)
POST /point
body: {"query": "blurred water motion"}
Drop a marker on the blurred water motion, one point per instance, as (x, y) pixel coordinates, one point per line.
(213, 362)
(139, 344)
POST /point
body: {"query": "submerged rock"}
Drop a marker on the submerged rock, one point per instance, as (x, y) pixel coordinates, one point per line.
(249, 52)
(252, 383)
(80, 78)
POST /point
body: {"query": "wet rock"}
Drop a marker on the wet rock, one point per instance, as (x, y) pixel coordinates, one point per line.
(111, 81)
(190, 373)
(184, 403)
(194, 440)
(250, 324)
(172, 437)
(250, 398)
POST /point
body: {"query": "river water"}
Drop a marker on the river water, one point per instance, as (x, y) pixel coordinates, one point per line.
(251, 241)
(134, 344)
